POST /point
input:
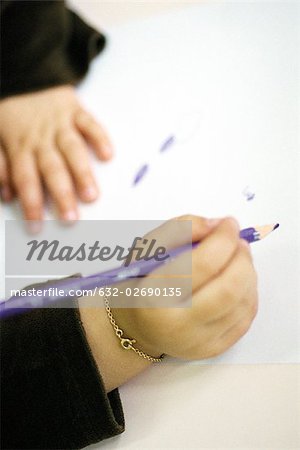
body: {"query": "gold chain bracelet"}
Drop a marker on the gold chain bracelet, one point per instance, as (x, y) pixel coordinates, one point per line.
(127, 343)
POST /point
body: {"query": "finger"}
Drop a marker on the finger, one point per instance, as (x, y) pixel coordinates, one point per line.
(6, 190)
(177, 272)
(225, 292)
(234, 333)
(175, 233)
(94, 134)
(181, 230)
(246, 310)
(59, 184)
(75, 153)
(28, 186)
(215, 252)
(221, 334)
(172, 234)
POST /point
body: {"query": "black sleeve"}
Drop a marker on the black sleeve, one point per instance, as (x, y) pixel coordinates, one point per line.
(52, 395)
(43, 44)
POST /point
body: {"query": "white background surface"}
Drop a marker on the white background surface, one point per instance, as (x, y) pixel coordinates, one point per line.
(236, 65)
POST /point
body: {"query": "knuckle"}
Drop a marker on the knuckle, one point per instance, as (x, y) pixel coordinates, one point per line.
(66, 138)
(236, 281)
(207, 268)
(3, 176)
(228, 244)
(94, 127)
(54, 168)
(65, 195)
(3, 161)
(43, 165)
(255, 277)
(185, 217)
(232, 224)
(250, 304)
(22, 181)
(49, 163)
(31, 198)
(84, 175)
(34, 204)
(228, 291)
(215, 350)
(69, 143)
(243, 326)
(19, 155)
(205, 312)
(245, 251)
(254, 310)
(22, 143)
(83, 117)
(254, 306)
(32, 209)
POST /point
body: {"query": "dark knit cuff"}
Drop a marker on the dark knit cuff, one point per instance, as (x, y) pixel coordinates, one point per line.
(44, 45)
(53, 396)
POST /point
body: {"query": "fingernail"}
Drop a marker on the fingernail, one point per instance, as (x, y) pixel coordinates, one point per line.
(107, 150)
(33, 226)
(90, 193)
(212, 223)
(70, 216)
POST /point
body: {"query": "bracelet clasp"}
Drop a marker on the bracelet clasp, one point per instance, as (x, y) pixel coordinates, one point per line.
(127, 343)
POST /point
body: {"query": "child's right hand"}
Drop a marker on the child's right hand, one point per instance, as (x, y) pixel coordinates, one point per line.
(224, 298)
(45, 138)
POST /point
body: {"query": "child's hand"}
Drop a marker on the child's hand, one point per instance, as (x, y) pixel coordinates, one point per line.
(44, 138)
(224, 297)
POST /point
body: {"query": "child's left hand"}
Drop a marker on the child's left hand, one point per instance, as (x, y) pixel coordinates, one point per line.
(44, 138)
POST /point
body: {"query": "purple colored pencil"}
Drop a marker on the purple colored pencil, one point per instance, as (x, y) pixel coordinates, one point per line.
(17, 305)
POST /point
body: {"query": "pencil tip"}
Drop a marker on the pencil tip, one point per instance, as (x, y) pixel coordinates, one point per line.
(276, 226)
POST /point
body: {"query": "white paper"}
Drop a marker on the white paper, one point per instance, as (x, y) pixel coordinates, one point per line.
(234, 70)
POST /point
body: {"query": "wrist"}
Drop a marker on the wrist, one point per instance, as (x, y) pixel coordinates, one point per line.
(115, 364)
(128, 322)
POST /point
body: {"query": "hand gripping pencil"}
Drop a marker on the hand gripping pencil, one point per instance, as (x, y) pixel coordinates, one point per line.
(20, 304)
